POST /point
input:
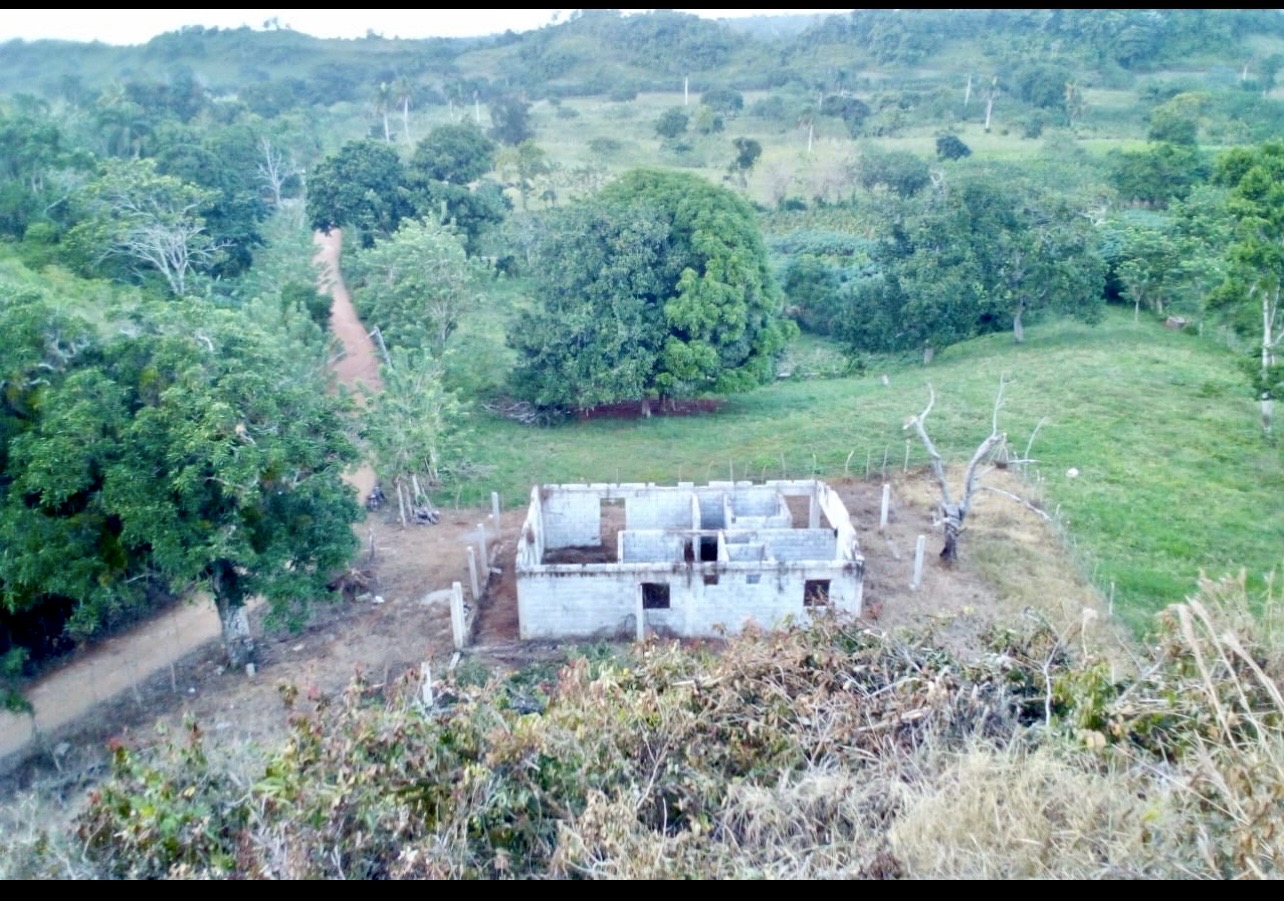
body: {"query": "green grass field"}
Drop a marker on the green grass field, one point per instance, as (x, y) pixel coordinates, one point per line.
(1174, 474)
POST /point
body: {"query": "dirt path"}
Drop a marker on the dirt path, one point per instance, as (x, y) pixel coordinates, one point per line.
(359, 365)
(110, 668)
(115, 666)
(360, 362)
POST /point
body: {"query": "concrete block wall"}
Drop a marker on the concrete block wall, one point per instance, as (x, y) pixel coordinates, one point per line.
(794, 545)
(781, 519)
(846, 585)
(713, 503)
(572, 518)
(652, 547)
(586, 605)
(746, 553)
(756, 501)
(590, 603)
(658, 508)
(836, 513)
(739, 598)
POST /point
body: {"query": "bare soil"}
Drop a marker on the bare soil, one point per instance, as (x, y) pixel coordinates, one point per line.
(359, 364)
(1012, 565)
(390, 630)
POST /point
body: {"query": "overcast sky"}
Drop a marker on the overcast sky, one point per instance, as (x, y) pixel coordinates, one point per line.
(136, 26)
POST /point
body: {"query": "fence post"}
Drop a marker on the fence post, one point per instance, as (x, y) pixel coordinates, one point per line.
(472, 573)
(457, 615)
(919, 551)
(641, 616)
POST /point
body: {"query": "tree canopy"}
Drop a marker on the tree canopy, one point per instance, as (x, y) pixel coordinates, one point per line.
(458, 154)
(659, 286)
(363, 186)
(979, 258)
(444, 180)
(190, 450)
(415, 285)
(1252, 297)
(133, 213)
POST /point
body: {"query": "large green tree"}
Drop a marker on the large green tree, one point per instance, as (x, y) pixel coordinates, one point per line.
(194, 449)
(445, 181)
(225, 161)
(658, 287)
(37, 163)
(363, 185)
(981, 257)
(458, 154)
(510, 117)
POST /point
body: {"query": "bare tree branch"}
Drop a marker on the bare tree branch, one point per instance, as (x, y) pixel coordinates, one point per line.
(1020, 500)
(938, 467)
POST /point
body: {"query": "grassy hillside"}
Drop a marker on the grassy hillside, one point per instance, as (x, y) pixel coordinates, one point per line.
(1174, 476)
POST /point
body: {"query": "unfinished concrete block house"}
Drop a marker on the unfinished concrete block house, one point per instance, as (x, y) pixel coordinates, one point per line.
(598, 561)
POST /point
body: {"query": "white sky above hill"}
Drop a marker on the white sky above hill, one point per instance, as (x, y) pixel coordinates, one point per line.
(137, 26)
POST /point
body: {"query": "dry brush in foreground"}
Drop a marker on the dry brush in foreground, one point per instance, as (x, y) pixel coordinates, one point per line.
(830, 751)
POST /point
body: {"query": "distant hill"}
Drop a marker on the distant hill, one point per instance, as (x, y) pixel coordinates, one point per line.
(597, 52)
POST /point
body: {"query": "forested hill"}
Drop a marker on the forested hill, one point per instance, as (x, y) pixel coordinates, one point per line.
(600, 51)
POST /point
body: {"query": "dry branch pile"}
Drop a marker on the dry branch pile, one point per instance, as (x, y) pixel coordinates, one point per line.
(822, 752)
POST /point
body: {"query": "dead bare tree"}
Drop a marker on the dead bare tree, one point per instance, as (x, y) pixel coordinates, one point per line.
(993, 451)
(274, 170)
(991, 94)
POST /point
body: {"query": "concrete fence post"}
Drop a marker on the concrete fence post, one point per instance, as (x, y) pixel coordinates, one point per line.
(887, 507)
(457, 615)
(494, 507)
(641, 616)
(919, 551)
(472, 573)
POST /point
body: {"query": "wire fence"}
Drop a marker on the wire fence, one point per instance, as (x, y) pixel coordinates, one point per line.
(866, 462)
(870, 462)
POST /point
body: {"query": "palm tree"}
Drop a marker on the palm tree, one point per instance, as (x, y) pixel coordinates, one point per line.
(402, 90)
(120, 122)
(382, 103)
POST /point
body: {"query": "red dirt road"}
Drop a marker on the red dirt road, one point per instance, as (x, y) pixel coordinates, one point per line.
(360, 362)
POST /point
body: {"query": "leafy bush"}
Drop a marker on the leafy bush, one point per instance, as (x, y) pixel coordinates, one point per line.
(605, 146)
(899, 171)
(951, 147)
(724, 101)
(672, 123)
